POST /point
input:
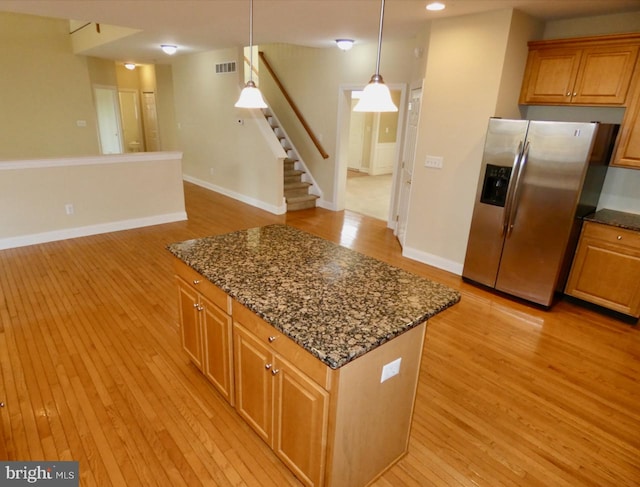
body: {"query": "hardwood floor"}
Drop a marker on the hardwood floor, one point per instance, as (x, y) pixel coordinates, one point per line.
(92, 370)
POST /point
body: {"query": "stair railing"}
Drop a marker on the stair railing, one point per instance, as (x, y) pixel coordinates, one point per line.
(294, 107)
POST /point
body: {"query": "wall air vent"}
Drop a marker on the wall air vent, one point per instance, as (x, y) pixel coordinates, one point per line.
(229, 67)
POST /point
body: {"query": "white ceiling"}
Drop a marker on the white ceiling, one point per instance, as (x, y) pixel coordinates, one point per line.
(200, 25)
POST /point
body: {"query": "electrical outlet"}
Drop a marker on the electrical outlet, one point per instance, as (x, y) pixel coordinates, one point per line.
(68, 208)
(391, 369)
(433, 161)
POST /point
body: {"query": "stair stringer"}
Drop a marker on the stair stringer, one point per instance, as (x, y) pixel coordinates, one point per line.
(293, 153)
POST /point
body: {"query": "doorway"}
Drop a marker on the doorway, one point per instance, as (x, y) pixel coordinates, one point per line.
(108, 114)
(131, 121)
(368, 152)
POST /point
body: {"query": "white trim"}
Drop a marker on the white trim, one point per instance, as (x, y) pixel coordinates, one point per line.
(433, 260)
(91, 160)
(38, 238)
(276, 210)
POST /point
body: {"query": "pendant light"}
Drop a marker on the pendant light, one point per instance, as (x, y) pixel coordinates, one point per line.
(376, 96)
(250, 97)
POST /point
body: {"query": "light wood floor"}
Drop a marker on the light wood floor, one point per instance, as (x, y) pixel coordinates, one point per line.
(92, 370)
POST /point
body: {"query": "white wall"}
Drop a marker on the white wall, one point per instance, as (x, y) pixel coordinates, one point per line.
(108, 193)
(471, 72)
(225, 148)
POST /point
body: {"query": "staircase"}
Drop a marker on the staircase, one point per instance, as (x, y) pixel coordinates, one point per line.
(296, 184)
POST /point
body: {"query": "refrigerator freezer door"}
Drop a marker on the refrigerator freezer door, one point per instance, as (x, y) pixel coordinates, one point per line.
(544, 209)
(503, 143)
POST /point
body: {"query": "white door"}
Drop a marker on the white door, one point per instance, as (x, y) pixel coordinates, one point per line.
(150, 121)
(406, 173)
(108, 113)
(131, 121)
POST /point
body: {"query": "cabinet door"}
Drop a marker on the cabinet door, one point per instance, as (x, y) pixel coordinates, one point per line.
(189, 307)
(628, 149)
(604, 75)
(253, 381)
(216, 335)
(607, 273)
(300, 423)
(550, 76)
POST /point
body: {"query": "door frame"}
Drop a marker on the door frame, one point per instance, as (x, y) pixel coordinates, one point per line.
(342, 148)
(116, 106)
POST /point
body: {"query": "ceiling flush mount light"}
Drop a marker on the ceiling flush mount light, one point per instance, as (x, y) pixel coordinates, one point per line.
(344, 44)
(169, 49)
(376, 96)
(130, 66)
(250, 97)
(435, 6)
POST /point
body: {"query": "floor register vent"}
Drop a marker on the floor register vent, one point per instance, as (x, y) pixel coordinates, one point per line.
(229, 67)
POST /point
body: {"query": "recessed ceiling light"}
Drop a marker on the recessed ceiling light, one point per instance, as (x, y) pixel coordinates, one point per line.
(169, 49)
(435, 6)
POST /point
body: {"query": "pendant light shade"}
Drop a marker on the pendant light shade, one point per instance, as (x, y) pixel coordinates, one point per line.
(250, 97)
(376, 96)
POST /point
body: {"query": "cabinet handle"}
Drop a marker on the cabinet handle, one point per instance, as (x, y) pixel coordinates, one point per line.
(195, 305)
(267, 366)
(619, 237)
(575, 94)
(196, 281)
(272, 339)
(275, 371)
(200, 308)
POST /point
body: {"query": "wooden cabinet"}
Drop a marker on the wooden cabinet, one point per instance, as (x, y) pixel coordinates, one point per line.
(205, 328)
(584, 71)
(627, 152)
(279, 401)
(332, 427)
(606, 268)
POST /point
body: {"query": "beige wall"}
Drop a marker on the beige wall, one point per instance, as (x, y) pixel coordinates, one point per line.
(313, 78)
(108, 193)
(46, 102)
(466, 74)
(224, 147)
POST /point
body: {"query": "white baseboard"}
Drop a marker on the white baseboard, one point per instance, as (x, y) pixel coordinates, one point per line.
(433, 260)
(52, 236)
(276, 210)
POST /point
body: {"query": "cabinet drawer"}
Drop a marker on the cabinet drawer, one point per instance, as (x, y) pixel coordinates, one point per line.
(610, 234)
(283, 345)
(210, 291)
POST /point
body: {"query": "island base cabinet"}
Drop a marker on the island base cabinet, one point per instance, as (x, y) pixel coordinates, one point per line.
(285, 408)
(205, 329)
(371, 419)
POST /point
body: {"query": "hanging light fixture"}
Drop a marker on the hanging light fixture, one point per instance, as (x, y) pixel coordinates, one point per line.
(376, 96)
(250, 97)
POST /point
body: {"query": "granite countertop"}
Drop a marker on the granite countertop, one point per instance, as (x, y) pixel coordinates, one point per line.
(336, 303)
(621, 219)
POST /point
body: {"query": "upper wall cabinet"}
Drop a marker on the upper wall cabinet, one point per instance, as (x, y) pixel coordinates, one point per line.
(580, 71)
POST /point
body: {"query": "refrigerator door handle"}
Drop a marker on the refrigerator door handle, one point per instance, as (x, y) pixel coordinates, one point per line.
(510, 190)
(516, 192)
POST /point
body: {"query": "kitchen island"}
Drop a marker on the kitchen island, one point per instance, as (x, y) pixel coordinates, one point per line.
(318, 347)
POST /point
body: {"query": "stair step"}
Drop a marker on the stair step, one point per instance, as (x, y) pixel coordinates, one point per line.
(292, 190)
(301, 202)
(293, 172)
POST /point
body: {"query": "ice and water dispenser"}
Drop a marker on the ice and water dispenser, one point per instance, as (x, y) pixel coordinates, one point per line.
(494, 187)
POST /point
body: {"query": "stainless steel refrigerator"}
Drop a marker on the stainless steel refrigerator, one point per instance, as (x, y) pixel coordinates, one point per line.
(537, 181)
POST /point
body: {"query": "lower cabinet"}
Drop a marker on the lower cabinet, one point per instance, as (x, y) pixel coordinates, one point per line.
(331, 428)
(206, 330)
(287, 409)
(606, 268)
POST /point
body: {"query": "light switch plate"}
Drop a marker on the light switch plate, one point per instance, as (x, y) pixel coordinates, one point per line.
(434, 162)
(391, 369)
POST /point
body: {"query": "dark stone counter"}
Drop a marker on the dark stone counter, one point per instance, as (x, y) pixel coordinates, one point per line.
(336, 303)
